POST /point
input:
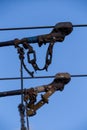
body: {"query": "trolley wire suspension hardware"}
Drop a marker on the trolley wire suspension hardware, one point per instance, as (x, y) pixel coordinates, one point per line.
(56, 35)
(29, 101)
(30, 95)
(38, 27)
(21, 106)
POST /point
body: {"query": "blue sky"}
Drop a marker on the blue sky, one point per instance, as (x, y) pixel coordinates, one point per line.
(66, 110)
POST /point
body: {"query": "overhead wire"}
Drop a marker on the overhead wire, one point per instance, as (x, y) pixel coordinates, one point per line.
(42, 77)
(37, 77)
(37, 27)
(23, 107)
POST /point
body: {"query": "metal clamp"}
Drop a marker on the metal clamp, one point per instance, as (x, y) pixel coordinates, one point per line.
(58, 83)
(64, 27)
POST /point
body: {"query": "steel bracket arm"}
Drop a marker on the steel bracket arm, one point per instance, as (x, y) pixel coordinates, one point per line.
(60, 80)
(58, 34)
(30, 95)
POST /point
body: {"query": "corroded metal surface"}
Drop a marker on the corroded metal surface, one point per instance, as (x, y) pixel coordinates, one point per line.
(58, 84)
(39, 89)
(59, 32)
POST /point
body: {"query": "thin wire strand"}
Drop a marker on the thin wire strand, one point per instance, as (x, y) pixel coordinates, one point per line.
(21, 73)
(22, 94)
(28, 125)
(25, 28)
(37, 27)
(80, 25)
(42, 77)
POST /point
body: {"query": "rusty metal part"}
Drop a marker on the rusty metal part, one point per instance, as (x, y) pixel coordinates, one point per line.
(49, 55)
(21, 109)
(39, 89)
(64, 27)
(16, 42)
(31, 96)
(56, 35)
(32, 61)
(62, 77)
(60, 29)
(47, 38)
(32, 53)
(56, 85)
(21, 53)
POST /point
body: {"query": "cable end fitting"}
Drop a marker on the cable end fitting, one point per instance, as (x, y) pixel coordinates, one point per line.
(62, 77)
(64, 27)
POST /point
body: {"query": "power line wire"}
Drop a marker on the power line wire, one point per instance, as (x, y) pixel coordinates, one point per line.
(26, 28)
(80, 25)
(42, 77)
(37, 27)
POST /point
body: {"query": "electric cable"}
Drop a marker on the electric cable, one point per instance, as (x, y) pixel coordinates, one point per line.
(21, 105)
(22, 95)
(27, 120)
(21, 71)
(22, 108)
(37, 27)
(42, 77)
